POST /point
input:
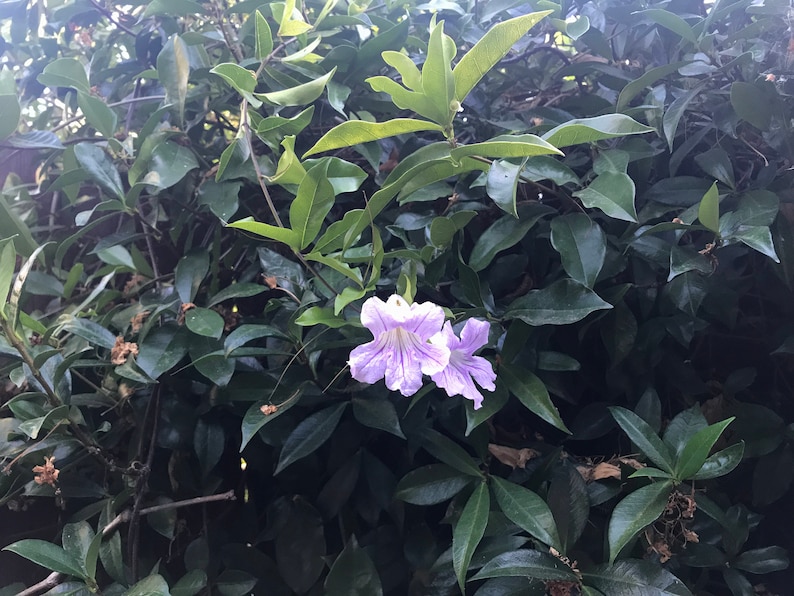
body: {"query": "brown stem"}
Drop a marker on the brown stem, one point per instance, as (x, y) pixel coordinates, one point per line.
(45, 585)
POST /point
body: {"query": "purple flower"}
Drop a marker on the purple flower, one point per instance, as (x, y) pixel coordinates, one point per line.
(401, 351)
(464, 367)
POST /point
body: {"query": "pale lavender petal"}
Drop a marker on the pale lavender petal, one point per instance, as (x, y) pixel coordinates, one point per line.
(377, 316)
(446, 337)
(455, 380)
(409, 358)
(473, 336)
(482, 372)
(426, 320)
(368, 361)
(433, 358)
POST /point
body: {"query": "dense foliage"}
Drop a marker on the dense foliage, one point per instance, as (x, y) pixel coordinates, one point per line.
(199, 198)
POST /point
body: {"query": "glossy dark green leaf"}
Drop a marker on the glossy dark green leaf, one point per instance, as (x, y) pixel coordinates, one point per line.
(76, 539)
(630, 577)
(238, 290)
(502, 183)
(721, 463)
(562, 303)
(255, 418)
(50, 556)
(697, 449)
(569, 503)
(163, 521)
(353, 573)
(90, 331)
(747, 99)
(153, 585)
(377, 413)
(309, 435)
(527, 563)
(431, 484)
(762, 560)
(582, 246)
(650, 77)
(169, 163)
(203, 321)
(505, 232)
(492, 404)
(469, 530)
(758, 238)
(65, 72)
(99, 168)
(190, 584)
(612, 193)
(644, 437)
(208, 444)
(527, 510)
(162, 349)
(531, 392)
(110, 547)
(636, 511)
(190, 271)
(449, 452)
(98, 114)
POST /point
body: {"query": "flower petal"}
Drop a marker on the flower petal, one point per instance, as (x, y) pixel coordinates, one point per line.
(482, 372)
(473, 336)
(446, 337)
(368, 361)
(455, 380)
(426, 320)
(409, 358)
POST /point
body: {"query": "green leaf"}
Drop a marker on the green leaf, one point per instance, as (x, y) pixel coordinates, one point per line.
(638, 510)
(100, 168)
(13, 312)
(612, 193)
(644, 437)
(562, 303)
(90, 331)
(353, 573)
(354, 132)
(492, 404)
(636, 87)
(575, 29)
(709, 209)
(168, 164)
(77, 539)
(190, 584)
(762, 560)
(671, 21)
(408, 100)
(173, 8)
(315, 315)
(48, 555)
(309, 435)
(531, 392)
(290, 26)
(582, 246)
(173, 69)
(208, 444)
(528, 563)
(237, 290)
(469, 530)
(8, 259)
(314, 200)
(590, 130)
(629, 577)
(758, 238)
(527, 510)
(190, 271)
(11, 110)
(264, 37)
(489, 50)
(299, 95)
(697, 449)
(502, 184)
(449, 452)
(411, 77)
(12, 226)
(154, 585)
(65, 72)
(255, 419)
(721, 463)
(203, 321)
(240, 79)
(717, 163)
(438, 83)
(505, 232)
(430, 485)
(285, 235)
(98, 114)
(747, 101)
(506, 146)
(378, 413)
(162, 349)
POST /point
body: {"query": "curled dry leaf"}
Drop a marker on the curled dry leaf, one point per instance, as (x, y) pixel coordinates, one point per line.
(46, 474)
(136, 322)
(515, 458)
(122, 349)
(598, 472)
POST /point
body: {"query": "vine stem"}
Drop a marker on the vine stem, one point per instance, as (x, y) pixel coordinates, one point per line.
(55, 578)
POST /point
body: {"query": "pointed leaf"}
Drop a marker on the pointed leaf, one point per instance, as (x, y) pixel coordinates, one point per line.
(638, 510)
(430, 485)
(709, 209)
(644, 437)
(354, 132)
(505, 232)
(721, 463)
(309, 435)
(531, 392)
(489, 50)
(502, 184)
(285, 235)
(634, 578)
(299, 95)
(190, 271)
(353, 573)
(506, 146)
(100, 168)
(48, 555)
(527, 563)
(612, 193)
(589, 130)
(582, 246)
(562, 303)
(449, 452)
(173, 69)
(527, 510)
(697, 449)
(264, 37)
(314, 200)
(469, 530)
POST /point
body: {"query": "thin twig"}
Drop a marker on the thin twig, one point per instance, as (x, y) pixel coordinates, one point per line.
(45, 585)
